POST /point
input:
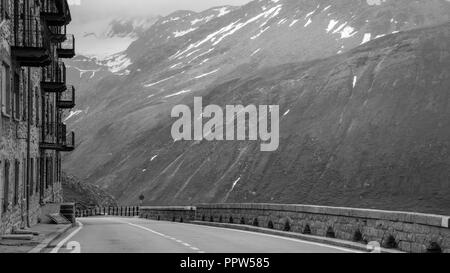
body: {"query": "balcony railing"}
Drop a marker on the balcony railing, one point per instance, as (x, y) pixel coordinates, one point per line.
(55, 12)
(29, 45)
(55, 137)
(49, 132)
(66, 49)
(57, 34)
(66, 99)
(54, 78)
(69, 142)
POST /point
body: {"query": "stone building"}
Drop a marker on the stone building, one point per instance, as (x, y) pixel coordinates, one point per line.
(34, 97)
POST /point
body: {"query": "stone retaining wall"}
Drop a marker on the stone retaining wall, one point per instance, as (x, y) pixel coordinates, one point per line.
(409, 232)
(174, 214)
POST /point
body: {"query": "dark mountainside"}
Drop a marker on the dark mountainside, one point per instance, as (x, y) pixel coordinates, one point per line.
(85, 195)
(363, 126)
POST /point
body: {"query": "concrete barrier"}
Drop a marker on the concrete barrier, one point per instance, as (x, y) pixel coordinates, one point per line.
(409, 232)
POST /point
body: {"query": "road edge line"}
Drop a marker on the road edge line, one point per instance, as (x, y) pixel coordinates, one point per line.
(65, 240)
(47, 241)
(332, 243)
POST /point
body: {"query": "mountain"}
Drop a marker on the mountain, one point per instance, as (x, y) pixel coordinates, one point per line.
(108, 36)
(361, 86)
(85, 195)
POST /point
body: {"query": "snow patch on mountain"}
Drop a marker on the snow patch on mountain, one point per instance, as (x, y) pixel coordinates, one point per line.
(367, 37)
(347, 32)
(331, 25)
(158, 82)
(308, 22)
(183, 32)
(85, 71)
(178, 93)
(117, 63)
(293, 22)
(73, 114)
(218, 36)
(222, 11)
(255, 52)
(207, 74)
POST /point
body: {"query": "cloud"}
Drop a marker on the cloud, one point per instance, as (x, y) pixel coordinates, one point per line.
(74, 2)
(145, 7)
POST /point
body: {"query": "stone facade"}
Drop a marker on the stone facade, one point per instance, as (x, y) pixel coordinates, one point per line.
(409, 232)
(30, 176)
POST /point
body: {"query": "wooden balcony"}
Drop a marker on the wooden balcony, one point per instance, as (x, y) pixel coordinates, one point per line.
(55, 12)
(54, 78)
(56, 138)
(69, 143)
(29, 44)
(66, 100)
(57, 34)
(66, 49)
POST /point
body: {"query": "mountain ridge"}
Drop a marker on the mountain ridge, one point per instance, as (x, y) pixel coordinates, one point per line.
(126, 127)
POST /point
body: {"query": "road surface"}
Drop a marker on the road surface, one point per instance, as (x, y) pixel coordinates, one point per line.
(134, 235)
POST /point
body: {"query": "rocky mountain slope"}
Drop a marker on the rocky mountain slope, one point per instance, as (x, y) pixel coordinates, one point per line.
(363, 98)
(85, 195)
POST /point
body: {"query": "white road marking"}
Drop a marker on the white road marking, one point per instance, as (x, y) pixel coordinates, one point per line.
(281, 237)
(167, 237)
(65, 240)
(241, 231)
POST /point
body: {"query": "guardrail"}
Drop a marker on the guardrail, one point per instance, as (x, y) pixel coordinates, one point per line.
(109, 211)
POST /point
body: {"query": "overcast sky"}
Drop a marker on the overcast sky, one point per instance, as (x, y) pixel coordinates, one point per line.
(114, 8)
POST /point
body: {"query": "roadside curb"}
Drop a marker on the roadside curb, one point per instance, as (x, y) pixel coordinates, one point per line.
(309, 238)
(50, 239)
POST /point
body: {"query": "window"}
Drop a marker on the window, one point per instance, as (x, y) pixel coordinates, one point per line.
(47, 173)
(46, 117)
(5, 85)
(38, 175)
(1, 187)
(38, 109)
(52, 124)
(31, 105)
(6, 187)
(16, 96)
(4, 8)
(16, 183)
(24, 97)
(52, 172)
(42, 169)
(2, 88)
(31, 178)
(59, 170)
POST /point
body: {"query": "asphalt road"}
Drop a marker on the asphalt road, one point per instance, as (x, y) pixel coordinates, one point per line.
(134, 235)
